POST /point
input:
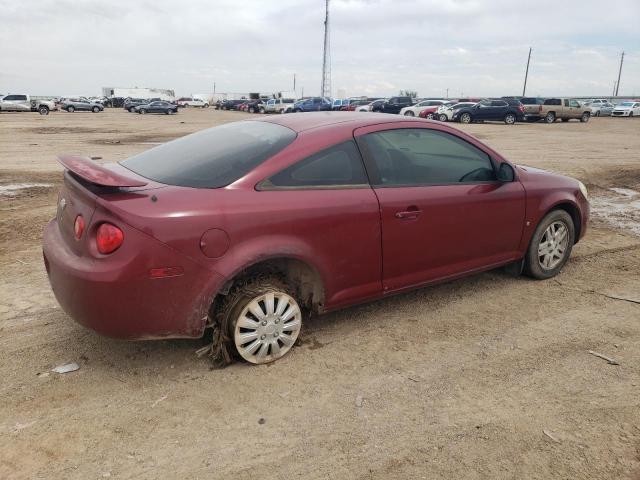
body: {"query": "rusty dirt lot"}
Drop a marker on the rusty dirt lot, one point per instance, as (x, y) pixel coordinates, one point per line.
(484, 378)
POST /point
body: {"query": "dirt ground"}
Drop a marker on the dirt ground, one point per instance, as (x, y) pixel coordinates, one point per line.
(484, 378)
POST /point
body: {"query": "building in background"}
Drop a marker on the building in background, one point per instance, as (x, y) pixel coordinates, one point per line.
(138, 92)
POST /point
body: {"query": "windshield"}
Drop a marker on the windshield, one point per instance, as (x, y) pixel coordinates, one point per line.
(212, 158)
(626, 104)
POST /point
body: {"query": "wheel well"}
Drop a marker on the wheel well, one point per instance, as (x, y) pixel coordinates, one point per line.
(575, 216)
(299, 275)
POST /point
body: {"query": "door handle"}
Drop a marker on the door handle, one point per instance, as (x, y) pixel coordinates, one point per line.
(408, 214)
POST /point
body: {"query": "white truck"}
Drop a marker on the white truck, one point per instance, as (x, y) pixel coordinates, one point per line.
(277, 105)
(26, 103)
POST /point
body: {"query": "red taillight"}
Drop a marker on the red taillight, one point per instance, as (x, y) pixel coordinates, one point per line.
(521, 108)
(78, 226)
(108, 238)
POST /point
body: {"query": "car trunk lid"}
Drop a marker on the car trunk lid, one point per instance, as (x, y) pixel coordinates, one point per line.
(84, 182)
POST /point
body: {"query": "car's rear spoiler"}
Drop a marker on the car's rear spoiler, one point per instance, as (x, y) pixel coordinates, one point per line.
(97, 174)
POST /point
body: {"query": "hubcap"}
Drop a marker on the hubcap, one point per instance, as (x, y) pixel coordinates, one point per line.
(553, 245)
(267, 327)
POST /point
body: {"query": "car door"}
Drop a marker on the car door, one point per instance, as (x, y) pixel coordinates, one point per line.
(10, 103)
(483, 110)
(443, 211)
(575, 109)
(327, 196)
(498, 109)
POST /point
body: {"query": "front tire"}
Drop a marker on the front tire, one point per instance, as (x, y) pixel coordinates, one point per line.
(585, 117)
(262, 318)
(95, 109)
(443, 117)
(465, 118)
(550, 245)
(409, 113)
(71, 109)
(43, 110)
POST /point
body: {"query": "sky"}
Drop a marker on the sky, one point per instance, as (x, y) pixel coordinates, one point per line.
(378, 47)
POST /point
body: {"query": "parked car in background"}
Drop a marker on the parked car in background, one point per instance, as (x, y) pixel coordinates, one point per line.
(508, 111)
(414, 110)
(337, 103)
(600, 109)
(191, 102)
(357, 103)
(81, 104)
(231, 104)
(159, 106)
(255, 105)
(26, 103)
(431, 112)
(348, 102)
(395, 104)
(445, 112)
(626, 109)
(104, 101)
(313, 104)
(532, 108)
(131, 103)
(564, 109)
(227, 228)
(277, 105)
(372, 106)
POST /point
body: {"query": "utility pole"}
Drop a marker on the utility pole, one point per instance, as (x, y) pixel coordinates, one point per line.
(447, 93)
(526, 74)
(619, 73)
(326, 57)
(214, 87)
(613, 93)
(294, 82)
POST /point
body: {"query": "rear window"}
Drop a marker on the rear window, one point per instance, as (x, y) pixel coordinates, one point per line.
(212, 158)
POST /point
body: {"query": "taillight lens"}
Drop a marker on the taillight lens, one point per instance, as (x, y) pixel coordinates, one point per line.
(78, 226)
(521, 108)
(108, 238)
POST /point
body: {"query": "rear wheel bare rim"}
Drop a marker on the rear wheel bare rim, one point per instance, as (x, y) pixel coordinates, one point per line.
(267, 327)
(553, 245)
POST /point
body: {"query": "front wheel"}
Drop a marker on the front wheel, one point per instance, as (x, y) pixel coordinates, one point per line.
(465, 118)
(585, 117)
(142, 111)
(43, 110)
(409, 113)
(550, 245)
(95, 109)
(71, 109)
(442, 117)
(263, 319)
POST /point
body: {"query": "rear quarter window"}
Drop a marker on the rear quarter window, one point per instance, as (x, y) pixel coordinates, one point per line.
(212, 158)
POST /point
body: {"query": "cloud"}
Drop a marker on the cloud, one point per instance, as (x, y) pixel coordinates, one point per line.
(377, 46)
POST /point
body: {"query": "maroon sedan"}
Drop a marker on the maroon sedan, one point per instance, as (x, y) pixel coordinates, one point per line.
(243, 227)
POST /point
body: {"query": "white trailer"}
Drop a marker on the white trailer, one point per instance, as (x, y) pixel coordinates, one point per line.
(139, 92)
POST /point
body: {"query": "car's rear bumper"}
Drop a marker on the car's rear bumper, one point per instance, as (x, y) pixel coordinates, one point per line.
(116, 296)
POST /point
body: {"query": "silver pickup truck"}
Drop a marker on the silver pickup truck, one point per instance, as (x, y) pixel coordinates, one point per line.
(277, 105)
(26, 103)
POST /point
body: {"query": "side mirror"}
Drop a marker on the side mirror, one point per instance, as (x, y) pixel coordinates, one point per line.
(506, 173)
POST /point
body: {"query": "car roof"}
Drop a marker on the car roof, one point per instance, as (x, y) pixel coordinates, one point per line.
(300, 122)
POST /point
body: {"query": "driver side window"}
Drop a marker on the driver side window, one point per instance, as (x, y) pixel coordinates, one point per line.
(426, 157)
